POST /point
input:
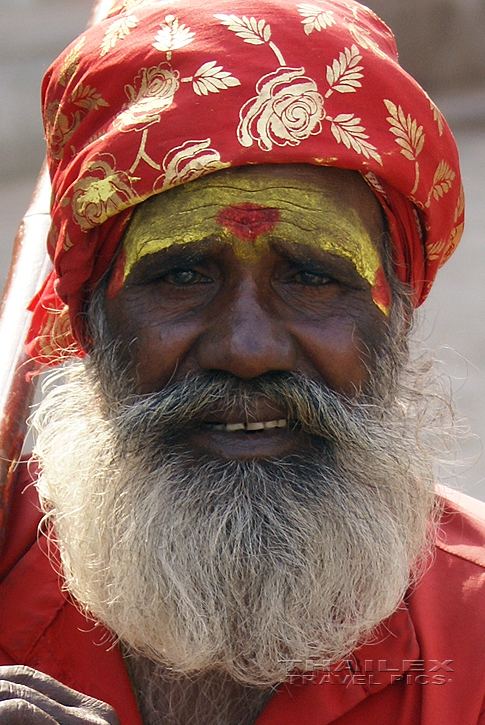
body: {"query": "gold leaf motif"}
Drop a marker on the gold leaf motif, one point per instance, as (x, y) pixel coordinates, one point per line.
(59, 127)
(117, 31)
(314, 18)
(252, 31)
(249, 29)
(344, 73)
(455, 237)
(460, 205)
(434, 251)
(71, 63)
(437, 115)
(211, 78)
(346, 129)
(87, 97)
(172, 35)
(442, 182)
(408, 134)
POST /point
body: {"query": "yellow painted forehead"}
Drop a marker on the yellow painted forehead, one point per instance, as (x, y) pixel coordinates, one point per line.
(247, 210)
(303, 213)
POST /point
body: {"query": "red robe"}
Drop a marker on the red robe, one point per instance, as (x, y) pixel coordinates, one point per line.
(428, 665)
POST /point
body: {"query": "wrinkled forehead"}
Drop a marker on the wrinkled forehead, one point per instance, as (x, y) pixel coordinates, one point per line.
(328, 208)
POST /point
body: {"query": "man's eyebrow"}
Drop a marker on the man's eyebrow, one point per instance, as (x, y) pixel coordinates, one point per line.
(305, 254)
(300, 253)
(192, 252)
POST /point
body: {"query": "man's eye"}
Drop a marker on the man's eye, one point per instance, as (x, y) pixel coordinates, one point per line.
(313, 279)
(184, 277)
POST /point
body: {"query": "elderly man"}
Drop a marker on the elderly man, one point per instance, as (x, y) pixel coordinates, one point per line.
(241, 522)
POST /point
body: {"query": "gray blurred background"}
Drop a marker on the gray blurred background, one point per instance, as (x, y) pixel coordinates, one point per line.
(441, 42)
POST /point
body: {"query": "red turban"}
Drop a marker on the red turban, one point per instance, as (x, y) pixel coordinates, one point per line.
(160, 93)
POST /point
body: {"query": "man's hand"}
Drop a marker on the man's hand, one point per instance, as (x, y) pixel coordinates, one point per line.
(28, 697)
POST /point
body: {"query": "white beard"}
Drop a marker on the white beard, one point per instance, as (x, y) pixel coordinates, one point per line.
(244, 568)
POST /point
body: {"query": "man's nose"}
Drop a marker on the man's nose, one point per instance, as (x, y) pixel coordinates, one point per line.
(246, 337)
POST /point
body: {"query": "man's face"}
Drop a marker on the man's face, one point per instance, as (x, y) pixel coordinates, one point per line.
(205, 536)
(254, 271)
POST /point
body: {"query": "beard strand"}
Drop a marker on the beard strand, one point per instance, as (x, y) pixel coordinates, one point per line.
(240, 567)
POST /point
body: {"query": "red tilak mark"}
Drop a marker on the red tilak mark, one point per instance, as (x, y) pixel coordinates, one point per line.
(248, 221)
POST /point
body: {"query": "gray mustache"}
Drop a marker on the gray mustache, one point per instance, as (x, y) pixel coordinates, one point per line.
(310, 405)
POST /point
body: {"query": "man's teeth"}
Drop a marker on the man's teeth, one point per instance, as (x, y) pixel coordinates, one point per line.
(256, 425)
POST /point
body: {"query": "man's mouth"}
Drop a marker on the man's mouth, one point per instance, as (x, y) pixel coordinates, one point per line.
(241, 436)
(248, 426)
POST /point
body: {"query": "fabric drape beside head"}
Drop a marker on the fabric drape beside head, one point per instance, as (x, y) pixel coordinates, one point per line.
(159, 94)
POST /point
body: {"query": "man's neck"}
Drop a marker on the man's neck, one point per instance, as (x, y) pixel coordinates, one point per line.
(213, 699)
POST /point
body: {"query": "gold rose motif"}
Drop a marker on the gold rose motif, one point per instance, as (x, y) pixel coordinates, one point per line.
(59, 128)
(101, 193)
(152, 93)
(287, 110)
(189, 161)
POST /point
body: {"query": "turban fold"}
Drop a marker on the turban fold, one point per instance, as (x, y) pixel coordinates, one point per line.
(160, 93)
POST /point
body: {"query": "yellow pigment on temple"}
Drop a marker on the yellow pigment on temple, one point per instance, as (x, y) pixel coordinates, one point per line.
(189, 213)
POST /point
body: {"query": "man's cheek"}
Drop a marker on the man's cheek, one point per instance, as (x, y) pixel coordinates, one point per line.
(338, 349)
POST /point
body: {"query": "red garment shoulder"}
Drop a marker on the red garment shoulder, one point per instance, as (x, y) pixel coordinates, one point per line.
(462, 531)
(23, 517)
